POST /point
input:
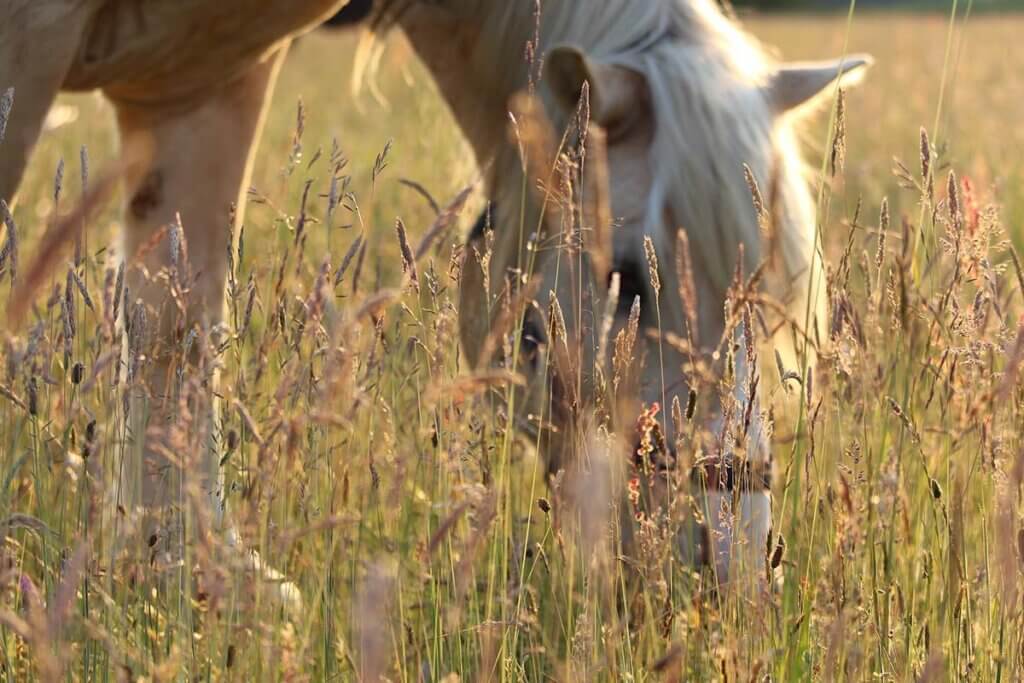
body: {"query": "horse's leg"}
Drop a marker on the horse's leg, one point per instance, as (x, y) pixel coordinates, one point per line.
(38, 42)
(736, 508)
(740, 515)
(192, 162)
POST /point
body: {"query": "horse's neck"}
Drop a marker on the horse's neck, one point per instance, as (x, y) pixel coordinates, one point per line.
(473, 72)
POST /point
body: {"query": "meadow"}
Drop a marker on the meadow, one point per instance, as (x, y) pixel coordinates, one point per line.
(366, 463)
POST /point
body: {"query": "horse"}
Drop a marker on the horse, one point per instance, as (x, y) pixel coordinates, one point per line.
(693, 118)
(684, 99)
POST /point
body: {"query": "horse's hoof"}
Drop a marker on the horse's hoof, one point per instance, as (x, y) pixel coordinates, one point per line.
(285, 593)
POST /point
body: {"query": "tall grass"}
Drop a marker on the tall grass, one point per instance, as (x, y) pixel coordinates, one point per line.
(364, 461)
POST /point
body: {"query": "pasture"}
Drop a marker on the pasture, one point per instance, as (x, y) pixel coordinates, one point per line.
(365, 462)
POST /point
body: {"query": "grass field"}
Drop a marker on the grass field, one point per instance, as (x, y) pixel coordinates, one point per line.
(390, 492)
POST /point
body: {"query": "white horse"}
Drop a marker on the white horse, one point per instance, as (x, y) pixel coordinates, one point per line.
(687, 102)
(685, 99)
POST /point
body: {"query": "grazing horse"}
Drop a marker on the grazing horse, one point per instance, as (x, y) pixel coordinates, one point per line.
(189, 81)
(684, 100)
(694, 115)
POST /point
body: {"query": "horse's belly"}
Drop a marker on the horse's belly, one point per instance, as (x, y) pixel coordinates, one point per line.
(158, 49)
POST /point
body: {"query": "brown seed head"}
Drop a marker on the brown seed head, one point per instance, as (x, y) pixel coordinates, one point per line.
(6, 104)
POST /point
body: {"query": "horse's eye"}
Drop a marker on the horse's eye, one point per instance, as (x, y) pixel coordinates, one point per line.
(631, 286)
(484, 223)
(533, 338)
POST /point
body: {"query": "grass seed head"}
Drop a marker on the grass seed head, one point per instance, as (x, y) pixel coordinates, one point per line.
(58, 181)
(6, 104)
(408, 260)
(9, 251)
(687, 286)
(883, 229)
(837, 158)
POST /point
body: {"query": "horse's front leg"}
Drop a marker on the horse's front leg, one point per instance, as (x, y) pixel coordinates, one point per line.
(189, 165)
(38, 42)
(739, 500)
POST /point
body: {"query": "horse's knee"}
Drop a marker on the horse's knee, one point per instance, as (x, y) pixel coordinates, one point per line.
(148, 196)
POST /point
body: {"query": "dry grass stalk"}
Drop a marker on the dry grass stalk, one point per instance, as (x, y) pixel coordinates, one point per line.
(597, 212)
(760, 208)
(927, 176)
(883, 230)
(12, 397)
(837, 156)
(421, 191)
(611, 306)
(652, 265)
(250, 424)
(80, 286)
(445, 220)
(58, 182)
(687, 285)
(119, 290)
(625, 342)
(898, 411)
(346, 261)
(541, 157)
(508, 316)
(9, 252)
(6, 104)
(60, 233)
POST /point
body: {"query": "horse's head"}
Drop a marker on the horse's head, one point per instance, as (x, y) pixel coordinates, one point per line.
(655, 306)
(642, 264)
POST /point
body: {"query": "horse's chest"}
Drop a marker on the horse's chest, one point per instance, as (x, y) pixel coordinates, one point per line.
(162, 48)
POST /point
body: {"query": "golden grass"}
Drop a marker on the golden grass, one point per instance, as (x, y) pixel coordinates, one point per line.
(363, 462)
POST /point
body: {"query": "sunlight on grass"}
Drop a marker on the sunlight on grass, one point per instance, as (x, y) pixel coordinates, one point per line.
(362, 462)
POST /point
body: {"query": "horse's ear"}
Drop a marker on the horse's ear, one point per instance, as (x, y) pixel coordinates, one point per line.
(794, 85)
(615, 91)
